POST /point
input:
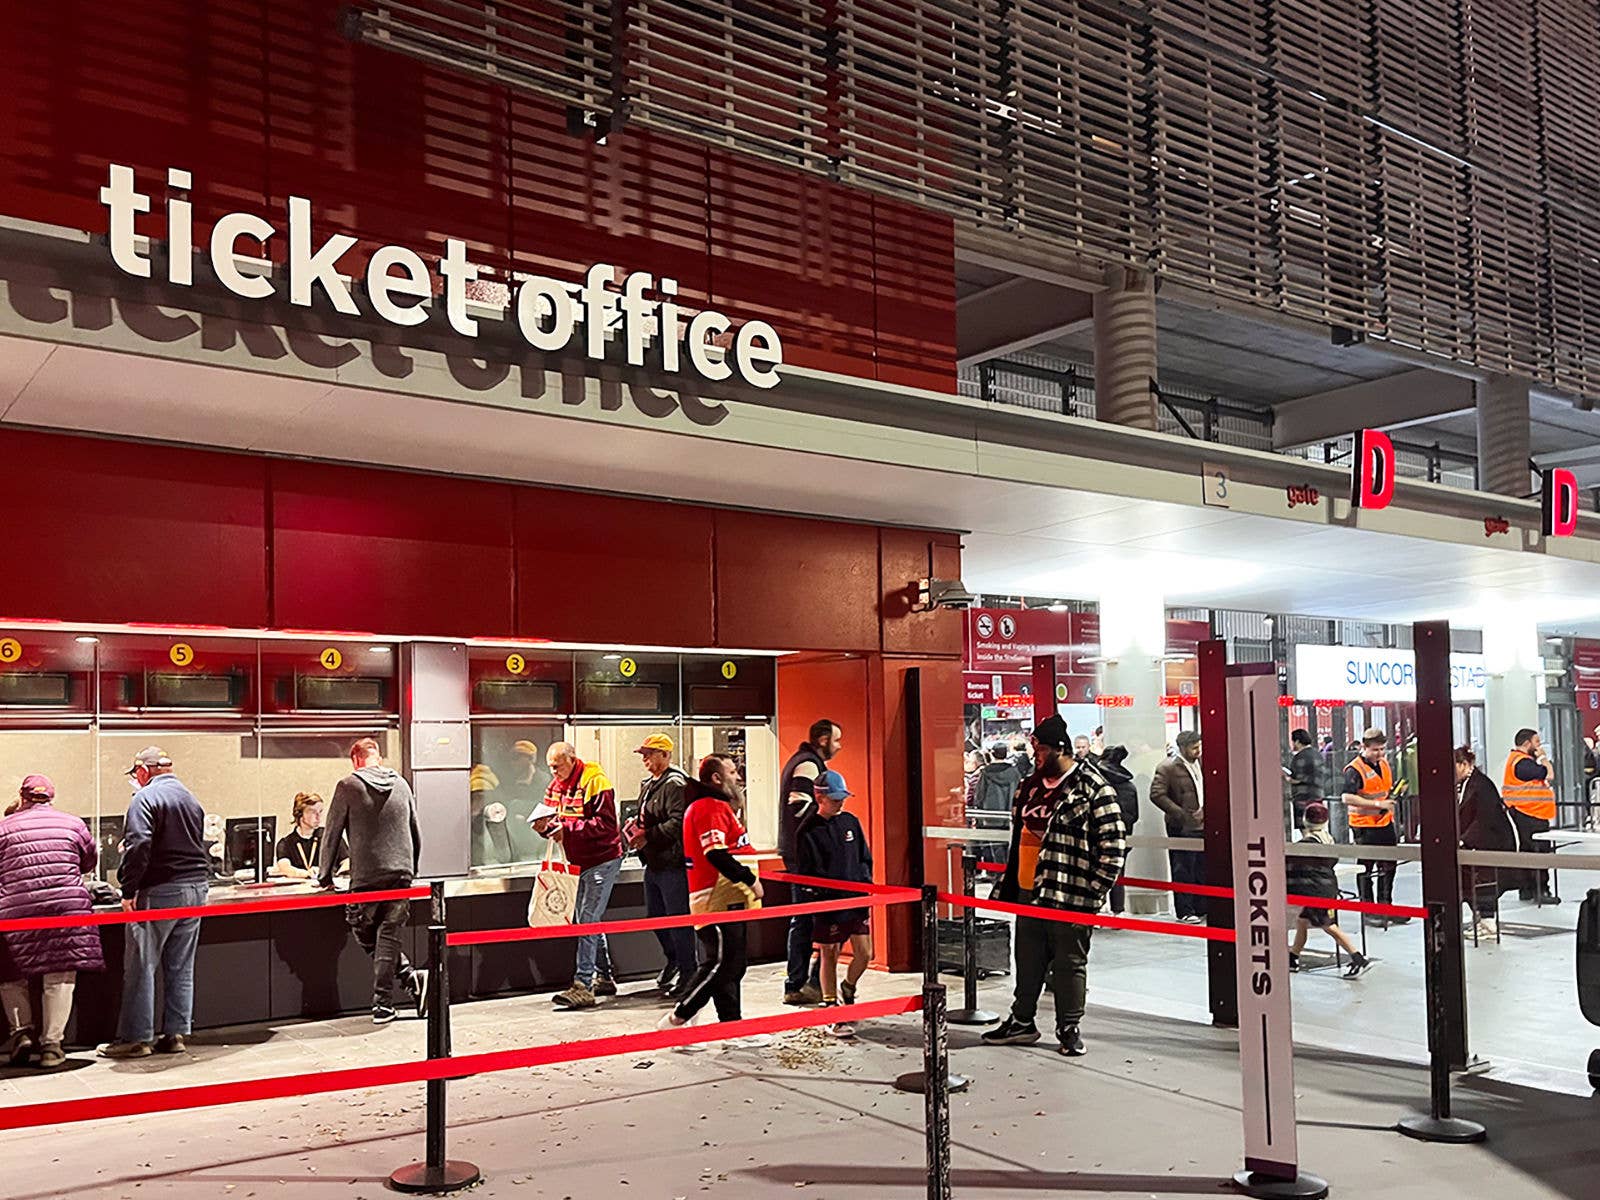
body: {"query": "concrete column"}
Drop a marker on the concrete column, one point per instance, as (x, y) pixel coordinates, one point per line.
(1133, 632)
(1502, 407)
(1511, 693)
(1125, 349)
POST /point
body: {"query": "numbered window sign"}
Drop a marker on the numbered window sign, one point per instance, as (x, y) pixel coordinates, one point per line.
(10, 650)
(1217, 486)
(516, 664)
(331, 659)
(628, 667)
(730, 669)
(181, 654)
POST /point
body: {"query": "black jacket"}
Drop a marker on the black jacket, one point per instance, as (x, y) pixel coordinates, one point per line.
(1312, 876)
(662, 803)
(997, 786)
(797, 799)
(1482, 819)
(1306, 776)
(1118, 777)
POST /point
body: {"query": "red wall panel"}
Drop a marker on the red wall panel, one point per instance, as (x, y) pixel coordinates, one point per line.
(109, 531)
(262, 100)
(790, 583)
(607, 569)
(909, 555)
(391, 552)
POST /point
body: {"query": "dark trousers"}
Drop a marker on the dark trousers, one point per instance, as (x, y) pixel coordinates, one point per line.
(803, 966)
(1375, 882)
(666, 894)
(1188, 866)
(1531, 883)
(1119, 898)
(377, 931)
(1060, 951)
(722, 962)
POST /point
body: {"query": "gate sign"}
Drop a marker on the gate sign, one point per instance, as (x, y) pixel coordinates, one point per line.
(1266, 1035)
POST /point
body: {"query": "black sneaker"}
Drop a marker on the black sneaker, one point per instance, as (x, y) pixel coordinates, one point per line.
(419, 991)
(1294, 963)
(1360, 964)
(171, 1043)
(604, 985)
(667, 981)
(1012, 1032)
(382, 1014)
(1071, 1042)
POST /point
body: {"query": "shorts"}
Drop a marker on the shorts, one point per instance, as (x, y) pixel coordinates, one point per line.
(835, 929)
(1318, 918)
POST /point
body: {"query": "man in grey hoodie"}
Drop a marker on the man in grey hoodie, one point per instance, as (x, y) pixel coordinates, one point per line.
(375, 807)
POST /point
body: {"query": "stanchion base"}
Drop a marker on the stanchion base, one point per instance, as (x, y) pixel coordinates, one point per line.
(911, 1081)
(1442, 1129)
(1272, 1187)
(421, 1178)
(970, 1016)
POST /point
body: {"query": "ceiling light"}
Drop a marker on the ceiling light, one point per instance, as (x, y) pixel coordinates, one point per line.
(86, 639)
(1060, 606)
(380, 649)
(610, 657)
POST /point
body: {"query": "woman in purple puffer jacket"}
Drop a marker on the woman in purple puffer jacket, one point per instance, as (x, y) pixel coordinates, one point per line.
(44, 854)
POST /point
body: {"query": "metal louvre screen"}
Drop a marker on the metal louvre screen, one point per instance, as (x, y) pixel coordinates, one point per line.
(1421, 171)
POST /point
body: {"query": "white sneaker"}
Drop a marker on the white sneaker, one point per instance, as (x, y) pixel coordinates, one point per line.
(755, 1041)
(844, 1029)
(1486, 928)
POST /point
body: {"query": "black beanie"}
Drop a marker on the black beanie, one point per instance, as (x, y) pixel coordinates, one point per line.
(1052, 732)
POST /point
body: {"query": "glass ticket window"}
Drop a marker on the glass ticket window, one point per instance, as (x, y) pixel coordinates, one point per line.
(521, 700)
(316, 681)
(618, 685)
(46, 717)
(177, 681)
(729, 706)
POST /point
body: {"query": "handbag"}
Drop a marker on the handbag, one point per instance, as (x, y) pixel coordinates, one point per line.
(555, 889)
(725, 895)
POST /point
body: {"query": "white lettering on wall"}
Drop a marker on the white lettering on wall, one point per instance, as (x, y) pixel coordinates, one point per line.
(398, 285)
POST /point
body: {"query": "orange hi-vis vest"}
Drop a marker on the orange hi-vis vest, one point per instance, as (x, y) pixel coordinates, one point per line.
(1376, 784)
(1536, 799)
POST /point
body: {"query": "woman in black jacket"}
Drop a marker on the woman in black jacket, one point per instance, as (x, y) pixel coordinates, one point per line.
(1315, 877)
(1484, 824)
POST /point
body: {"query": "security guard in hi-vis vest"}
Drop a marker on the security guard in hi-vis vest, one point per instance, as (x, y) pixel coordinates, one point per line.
(1369, 801)
(1531, 799)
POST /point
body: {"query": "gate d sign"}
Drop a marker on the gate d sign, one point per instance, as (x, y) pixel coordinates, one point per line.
(1372, 470)
(398, 282)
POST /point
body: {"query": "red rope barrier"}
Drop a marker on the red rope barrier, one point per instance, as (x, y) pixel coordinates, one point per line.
(838, 885)
(96, 1108)
(480, 937)
(1071, 917)
(227, 908)
(1360, 906)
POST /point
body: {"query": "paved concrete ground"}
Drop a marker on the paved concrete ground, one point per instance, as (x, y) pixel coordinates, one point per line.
(1152, 1112)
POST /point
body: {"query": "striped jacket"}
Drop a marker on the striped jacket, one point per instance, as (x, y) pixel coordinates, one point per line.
(1084, 844)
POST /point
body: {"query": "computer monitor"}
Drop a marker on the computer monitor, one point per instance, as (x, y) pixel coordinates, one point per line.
(248, 844)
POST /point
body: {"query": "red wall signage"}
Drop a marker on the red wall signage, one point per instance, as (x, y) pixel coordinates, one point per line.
(1372, 471)
(1494, 525)
(1558, 504)
(1302, 493)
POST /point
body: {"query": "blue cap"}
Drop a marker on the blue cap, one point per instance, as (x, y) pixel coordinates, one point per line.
(832, 785)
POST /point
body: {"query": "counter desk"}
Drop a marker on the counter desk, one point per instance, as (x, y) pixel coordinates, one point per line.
(302, 964)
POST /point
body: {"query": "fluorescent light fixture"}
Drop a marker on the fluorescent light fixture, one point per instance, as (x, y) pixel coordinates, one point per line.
(85, 639)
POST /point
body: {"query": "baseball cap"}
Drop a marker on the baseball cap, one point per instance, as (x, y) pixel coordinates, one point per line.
(483, 779)
(833, 786)
(1374, 737)
(1316, 813)
(656, 741)
(38, 787)
(150, 757)
(525, 747)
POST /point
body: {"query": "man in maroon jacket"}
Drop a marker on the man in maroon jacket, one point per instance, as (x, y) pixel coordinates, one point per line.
(585, 823)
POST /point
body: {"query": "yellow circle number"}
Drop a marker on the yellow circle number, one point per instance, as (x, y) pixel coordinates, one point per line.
(730, 669)
(181, 654)
(10, 650)
(1061, 691)
(628, 667)
(331, 659)
(516, 664)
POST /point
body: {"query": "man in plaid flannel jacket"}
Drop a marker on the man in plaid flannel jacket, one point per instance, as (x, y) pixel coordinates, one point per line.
(1067, 849)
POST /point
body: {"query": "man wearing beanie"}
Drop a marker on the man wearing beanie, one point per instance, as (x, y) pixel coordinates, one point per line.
(1067, 847)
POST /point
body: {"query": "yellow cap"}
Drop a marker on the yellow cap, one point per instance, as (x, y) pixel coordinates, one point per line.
(526, 748)
(483, 779)
(656, 741)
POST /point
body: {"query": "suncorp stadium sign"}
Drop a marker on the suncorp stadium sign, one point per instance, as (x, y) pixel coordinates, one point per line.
(1357, 673)
(398, 282)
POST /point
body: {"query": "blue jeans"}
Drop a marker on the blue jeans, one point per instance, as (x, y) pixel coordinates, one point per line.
(666, 894)
(802, 967)
(594, 893)
(167, 946)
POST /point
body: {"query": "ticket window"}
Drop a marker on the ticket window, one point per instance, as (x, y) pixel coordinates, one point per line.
(616, 749)
(729, 707)
(755, 748)
(46, 714)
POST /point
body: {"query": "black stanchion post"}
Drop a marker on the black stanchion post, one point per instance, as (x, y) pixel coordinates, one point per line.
(437, 1173)
(969, 1013)
(933, 1017)
(1438, 1125)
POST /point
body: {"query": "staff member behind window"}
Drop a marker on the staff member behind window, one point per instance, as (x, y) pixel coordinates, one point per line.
(1526, 788)
(298, 850)
(1368, 788)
